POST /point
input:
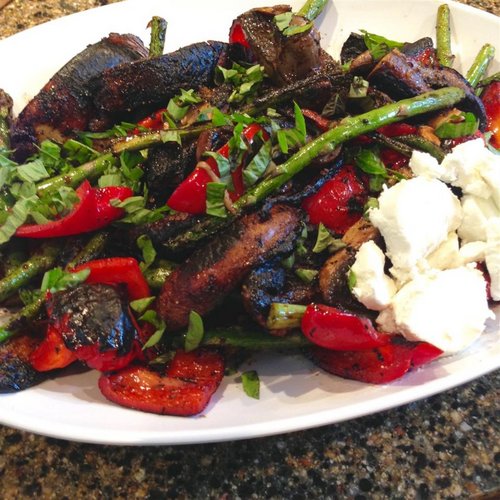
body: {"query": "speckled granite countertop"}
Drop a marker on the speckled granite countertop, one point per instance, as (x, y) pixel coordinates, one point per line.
(447, 446)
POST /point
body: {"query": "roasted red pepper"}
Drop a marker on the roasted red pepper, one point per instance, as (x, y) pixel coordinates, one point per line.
(191, 194)
(115, 270)
(236, 35)
(397, 129)
(185, 389)
(339, 203)
(393, 159)
(332, 328)
(93, 211)
(52, 353)
(152, 122)
(376, 366)
(491, 101)
(106, 361)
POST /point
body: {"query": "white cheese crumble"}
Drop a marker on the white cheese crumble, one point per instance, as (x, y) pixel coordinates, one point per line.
(477, 212)
(445, 308)
(373, 288)
(414, 217)
(434, 241)
(492, 257)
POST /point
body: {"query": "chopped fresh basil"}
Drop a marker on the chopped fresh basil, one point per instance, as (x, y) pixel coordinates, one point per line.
(251, 383)
(325, 241)
(32, 172)
(152, 318)
(378, 45)
(288, 262)
(195, 332)
(306, 275)
(175, 111)
(370, 163)
(107, 180)
(79, 153)
(458, 126)
(245, 81)
(223, 164)
(283, 22)
(170, 136)
(120, 130)
(148, 251)
(258, 164)
(292, 137)
(351, 280)
(141, 305)
(136, 211)
(359, 88)
(370, 203)
(215, 199)
(16, 218)
(57, 279)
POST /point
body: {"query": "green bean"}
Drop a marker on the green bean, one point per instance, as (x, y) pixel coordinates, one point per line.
(148, 139)
(35, 265)
(90, 170)
(347, 129)
(253, 339)
(443, 36)
(91, 250)
(158, 27)
(312, 9)
(480, 64)
(19, 319)
(5, 118)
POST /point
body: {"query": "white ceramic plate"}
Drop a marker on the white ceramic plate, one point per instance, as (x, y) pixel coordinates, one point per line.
(294, 394)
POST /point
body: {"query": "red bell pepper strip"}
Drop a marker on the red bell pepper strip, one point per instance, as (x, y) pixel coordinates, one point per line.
(106, 361)
(236, 35)
(397, 129)
(52, 353)
(491, 101)
(184, 390)
(332, 328)
(115, 270)
(339, 202)
(191, 194)
(393, 159)
(376, 366)
(152, 122)
(93, 211)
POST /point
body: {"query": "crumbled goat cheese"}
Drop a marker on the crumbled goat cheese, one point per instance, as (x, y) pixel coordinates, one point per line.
(373, 287)
(471, 166)
(477, 212)
(414, 217)
(446, 308)
(492, 257)
(434, 241)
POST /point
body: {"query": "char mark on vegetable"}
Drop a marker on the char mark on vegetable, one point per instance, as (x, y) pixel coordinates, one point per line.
(272, 283)
(79, 315)
(64, 104)
(147, 84)
(401, 76)
(214, 270)
(286, 57)
(16, 372)
(333, 274)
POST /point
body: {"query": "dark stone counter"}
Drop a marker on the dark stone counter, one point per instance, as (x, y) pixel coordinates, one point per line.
(447, 446)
